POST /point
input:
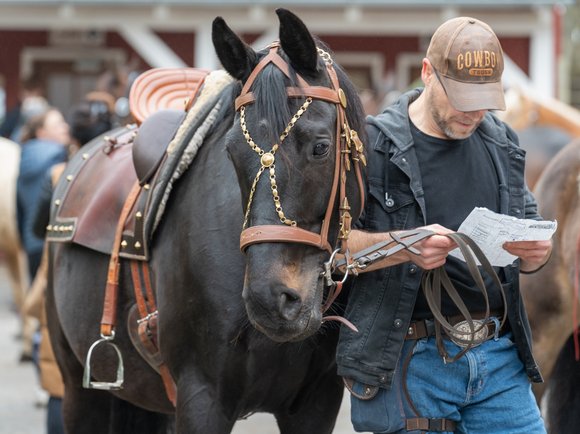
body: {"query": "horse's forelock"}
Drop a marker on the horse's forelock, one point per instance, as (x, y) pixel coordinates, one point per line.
(272, 102)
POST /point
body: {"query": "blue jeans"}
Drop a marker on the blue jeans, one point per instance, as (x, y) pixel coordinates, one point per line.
(485, 392)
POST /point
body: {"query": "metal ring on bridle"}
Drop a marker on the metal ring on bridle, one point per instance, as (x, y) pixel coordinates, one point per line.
(329, 267)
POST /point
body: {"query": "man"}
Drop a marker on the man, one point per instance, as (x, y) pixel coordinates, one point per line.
(434, 155)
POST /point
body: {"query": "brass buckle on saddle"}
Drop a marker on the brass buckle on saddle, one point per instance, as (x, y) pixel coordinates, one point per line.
(462, 336)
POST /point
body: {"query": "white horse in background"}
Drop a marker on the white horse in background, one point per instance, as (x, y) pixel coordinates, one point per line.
(11, 250)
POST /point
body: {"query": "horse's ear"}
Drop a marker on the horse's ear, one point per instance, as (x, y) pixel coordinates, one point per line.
(297, 42)
(237, 58)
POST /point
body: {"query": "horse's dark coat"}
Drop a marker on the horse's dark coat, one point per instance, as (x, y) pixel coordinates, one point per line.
(223, 367)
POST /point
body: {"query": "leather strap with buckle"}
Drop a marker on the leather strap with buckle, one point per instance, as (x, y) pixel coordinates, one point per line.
(420, 329)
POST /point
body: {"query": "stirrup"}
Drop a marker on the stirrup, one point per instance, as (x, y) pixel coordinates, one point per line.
(104, 385)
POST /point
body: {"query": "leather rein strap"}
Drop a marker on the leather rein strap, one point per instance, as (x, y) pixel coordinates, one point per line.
(348, 146)
(433, 281)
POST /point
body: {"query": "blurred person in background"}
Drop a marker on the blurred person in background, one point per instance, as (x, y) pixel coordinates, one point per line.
(45, 140)
(31, 103)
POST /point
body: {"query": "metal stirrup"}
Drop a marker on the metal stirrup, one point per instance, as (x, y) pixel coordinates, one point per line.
(104, 385)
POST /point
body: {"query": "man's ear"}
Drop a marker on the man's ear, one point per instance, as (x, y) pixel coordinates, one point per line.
(427, 72)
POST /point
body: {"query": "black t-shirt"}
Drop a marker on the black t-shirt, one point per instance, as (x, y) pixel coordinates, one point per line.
(457, 176)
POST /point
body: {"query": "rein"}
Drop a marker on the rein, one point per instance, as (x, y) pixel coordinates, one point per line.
(473, 332)
(434, 280)
(348, 146)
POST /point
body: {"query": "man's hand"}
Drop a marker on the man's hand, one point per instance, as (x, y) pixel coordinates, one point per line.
(434, 249)
(532, 254)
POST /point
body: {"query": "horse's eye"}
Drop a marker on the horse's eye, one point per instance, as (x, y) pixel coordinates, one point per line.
(320, 149)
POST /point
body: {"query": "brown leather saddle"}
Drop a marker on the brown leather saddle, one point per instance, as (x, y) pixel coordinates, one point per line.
(87, 204)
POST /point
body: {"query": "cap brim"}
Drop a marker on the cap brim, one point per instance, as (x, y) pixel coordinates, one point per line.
(470, 97)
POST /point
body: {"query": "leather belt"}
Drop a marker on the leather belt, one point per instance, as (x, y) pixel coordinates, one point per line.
(424, 328)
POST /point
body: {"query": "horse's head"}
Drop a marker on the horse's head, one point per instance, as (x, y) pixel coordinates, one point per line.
(296, 154)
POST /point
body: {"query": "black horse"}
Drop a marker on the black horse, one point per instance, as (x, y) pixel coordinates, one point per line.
(206, 289)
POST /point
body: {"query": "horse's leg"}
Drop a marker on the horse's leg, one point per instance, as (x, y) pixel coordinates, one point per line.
(91, 411)
(199, 409)
(317, 411)
(127, 418)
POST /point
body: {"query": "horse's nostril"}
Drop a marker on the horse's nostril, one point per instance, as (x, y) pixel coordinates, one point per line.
(289, 304)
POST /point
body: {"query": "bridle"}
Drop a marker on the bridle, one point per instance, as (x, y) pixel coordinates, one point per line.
(348, 147)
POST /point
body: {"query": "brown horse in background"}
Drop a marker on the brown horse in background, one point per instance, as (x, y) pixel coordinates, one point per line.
(549, 293)
(544, 127)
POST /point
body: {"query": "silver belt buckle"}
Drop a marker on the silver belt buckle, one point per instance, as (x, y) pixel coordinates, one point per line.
(464, 336)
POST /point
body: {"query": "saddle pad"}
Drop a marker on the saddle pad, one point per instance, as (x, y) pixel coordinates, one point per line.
(164, 88)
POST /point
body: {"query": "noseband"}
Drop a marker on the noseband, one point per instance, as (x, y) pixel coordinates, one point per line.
(348, 146)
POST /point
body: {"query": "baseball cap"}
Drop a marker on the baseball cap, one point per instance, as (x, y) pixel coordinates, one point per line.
(468, 59)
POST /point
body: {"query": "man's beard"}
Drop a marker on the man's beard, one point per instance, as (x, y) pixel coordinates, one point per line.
(448, 130)
(444, 125)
